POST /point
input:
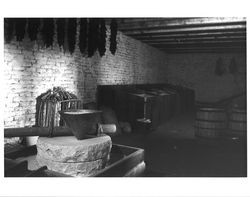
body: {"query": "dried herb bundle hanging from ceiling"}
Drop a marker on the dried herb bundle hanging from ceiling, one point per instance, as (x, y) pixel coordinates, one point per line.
(83, 35)
(113, 29)
(33, 25)
(48, 31)
(8, 29)
(220, 68)
(72, 24)
(233, 69)
(20, 28)
(93, 36)
(102, 38)
(60, 31)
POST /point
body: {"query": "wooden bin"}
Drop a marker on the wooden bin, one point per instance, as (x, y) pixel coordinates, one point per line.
(210, 122)
(238, 122)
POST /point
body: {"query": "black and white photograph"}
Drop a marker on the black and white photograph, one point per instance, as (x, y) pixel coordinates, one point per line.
(124, 98)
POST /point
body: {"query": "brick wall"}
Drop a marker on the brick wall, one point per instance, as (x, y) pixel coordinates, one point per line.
(30, 69)
(197, 71)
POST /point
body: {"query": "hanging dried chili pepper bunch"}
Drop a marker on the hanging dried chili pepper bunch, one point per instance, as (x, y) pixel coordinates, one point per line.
(93, 33)
(60, 23)
(220, 67)
(83, 35)
(33, 28)
(19, 25)
(92, 36)
(8, 29)
(102, 38)
(20, 28)
(233, 68)
(72, 24)
(113, 42)
(48, 31)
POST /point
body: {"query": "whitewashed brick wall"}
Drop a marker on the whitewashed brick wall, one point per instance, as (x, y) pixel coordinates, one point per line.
(30, 69)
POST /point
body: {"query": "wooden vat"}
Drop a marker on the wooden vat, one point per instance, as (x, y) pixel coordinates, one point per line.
(238, 122)
(210, 122)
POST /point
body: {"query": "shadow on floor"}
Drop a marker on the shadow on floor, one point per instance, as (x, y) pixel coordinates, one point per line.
(173, 151)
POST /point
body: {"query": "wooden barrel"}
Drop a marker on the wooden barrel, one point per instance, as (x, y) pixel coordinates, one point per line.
(238, 122)
(210, 122)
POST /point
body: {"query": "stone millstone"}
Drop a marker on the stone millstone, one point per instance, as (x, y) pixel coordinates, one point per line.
(73, 169)
(69, 149)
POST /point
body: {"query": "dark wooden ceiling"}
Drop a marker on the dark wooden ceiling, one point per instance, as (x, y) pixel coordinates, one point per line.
(182, 35)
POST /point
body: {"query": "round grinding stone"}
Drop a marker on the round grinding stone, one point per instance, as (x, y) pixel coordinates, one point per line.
(69, 149)
(73, 169)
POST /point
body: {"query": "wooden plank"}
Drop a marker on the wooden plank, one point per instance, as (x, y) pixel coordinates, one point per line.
(154, 28)
(22, 152)
(36, 131)
(196, 41)
(198, 35)
(205, 50)
(191, 29)
(183, 39)
(133, 24)
(14, 168)
(201, 45)
(121, 167)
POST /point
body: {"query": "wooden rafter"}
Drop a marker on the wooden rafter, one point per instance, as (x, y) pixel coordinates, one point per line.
(188, 34)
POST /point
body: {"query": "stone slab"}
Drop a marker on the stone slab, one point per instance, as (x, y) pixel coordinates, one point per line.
(69, 149)
(73, 169)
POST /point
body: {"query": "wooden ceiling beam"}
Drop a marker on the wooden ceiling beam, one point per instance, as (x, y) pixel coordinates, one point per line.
(132, 23)
(202, 48)
(206, 50)
(160, 27)
(176, 33)
(192, 29)
(192, 41)
(191, 35)
(201, 45)
(187, 39)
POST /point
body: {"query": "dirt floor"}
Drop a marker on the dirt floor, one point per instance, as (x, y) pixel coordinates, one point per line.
(173, 151)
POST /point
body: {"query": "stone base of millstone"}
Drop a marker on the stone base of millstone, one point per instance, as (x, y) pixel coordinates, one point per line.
(74, 157)
(69, 149)
(73, 169)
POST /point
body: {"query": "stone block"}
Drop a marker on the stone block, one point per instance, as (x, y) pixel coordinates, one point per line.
(69, 149)
(73, 169)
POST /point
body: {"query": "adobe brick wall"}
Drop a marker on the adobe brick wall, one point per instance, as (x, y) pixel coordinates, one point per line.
(30, 69)
(196, 71)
